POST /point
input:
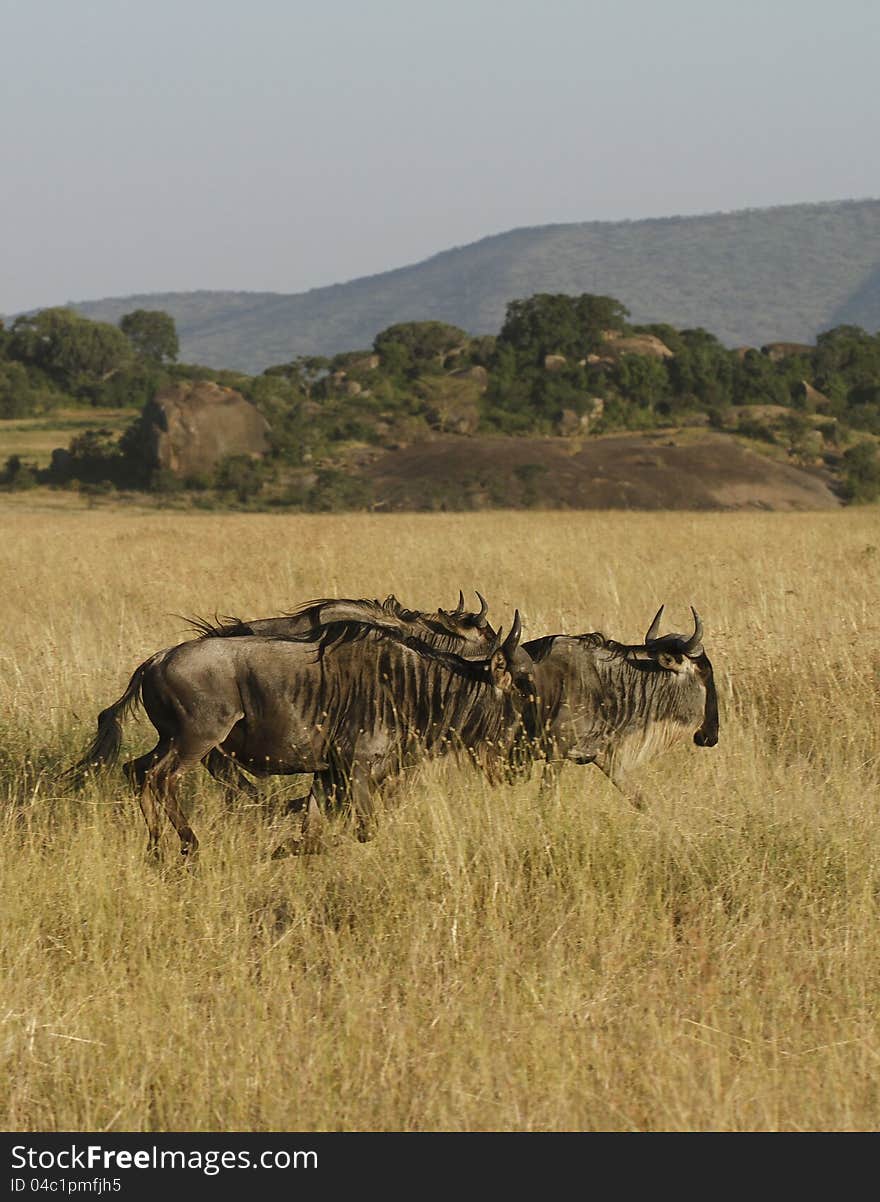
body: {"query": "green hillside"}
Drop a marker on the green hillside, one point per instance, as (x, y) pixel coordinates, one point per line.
(784, 273)
(419, 420)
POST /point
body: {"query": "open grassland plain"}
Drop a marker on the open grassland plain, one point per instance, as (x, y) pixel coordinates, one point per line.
(35, 438)
(493, 959)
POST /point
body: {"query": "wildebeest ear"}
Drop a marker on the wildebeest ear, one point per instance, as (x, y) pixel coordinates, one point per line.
(498, 670)
(669, 661)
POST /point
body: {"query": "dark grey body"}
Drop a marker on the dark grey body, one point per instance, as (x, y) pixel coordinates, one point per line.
(468, 634)
(353, 707)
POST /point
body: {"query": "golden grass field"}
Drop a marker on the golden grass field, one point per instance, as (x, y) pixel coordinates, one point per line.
(35, 438)
(489, 961)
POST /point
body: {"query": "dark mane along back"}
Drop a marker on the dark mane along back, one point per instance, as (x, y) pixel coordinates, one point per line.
(331, 635)
(372, 610)
(224, 627)
(540, 648)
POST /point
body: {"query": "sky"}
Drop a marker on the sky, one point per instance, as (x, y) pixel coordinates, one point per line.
(280, 145)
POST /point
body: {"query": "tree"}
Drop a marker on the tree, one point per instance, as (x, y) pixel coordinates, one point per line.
(152, 333)
(556, 324)
(861, 473)
(420, 340)
(75, 353)
(703, 370)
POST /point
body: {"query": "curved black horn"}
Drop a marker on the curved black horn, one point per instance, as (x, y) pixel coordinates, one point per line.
(512, 641)
(459, 609)
(654, 628)
(694, 645)
(480, 619)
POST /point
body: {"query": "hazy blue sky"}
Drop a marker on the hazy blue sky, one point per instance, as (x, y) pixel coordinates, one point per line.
(169, 145)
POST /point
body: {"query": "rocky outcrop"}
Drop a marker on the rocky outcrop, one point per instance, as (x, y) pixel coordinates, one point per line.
(812, 399)
(191, 426)
(476, 372)
(571, 424)
(636, 344)
(785, 350)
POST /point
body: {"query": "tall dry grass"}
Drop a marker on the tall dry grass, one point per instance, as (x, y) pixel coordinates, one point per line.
(493, 960)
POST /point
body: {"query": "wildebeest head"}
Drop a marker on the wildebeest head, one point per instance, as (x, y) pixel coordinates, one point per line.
(683, 656)
(471, 627)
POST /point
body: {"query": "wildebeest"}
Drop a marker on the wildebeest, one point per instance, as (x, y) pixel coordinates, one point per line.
(467, 634)
(353, 705)
(614, 704)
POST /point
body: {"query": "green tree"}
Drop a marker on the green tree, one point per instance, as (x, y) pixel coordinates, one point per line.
(420, 341)
(75, 353)
(641, 379)
(556, 324)
(23, 392)
(152, 333)
(703, 370)
(861, 473)
(755, 381)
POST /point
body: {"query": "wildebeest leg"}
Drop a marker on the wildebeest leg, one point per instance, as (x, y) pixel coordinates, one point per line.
(137, 773)
(162, 780)
(229, 775)
(187, 749)
(550, 770)
(310, 841)
(362, 801)
(311, 832)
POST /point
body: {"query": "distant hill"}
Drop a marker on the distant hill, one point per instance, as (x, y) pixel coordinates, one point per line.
(759, 275)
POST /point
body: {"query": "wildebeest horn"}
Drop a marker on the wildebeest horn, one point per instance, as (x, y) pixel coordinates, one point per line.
(480, 619)
(512, 641)
(654, 628)
(694, 645)
(459, 609)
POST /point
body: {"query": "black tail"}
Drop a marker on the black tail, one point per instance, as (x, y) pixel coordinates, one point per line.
(103, 751)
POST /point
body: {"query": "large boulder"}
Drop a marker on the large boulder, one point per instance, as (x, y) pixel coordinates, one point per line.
(192, 425)
(636, 344)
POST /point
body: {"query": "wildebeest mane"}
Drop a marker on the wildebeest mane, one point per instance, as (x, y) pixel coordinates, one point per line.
(331, 635)
(540, 648)
(230, 626)
(372, 608)
(441, 631)
(222, 627)
(435, 698)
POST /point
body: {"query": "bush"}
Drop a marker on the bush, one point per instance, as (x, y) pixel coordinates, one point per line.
(861, 473)
(240, 474)
(18, 475)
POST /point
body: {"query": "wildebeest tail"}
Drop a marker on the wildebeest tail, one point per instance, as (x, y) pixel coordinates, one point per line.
(103, 751)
